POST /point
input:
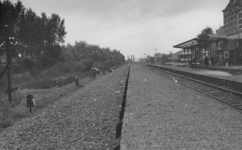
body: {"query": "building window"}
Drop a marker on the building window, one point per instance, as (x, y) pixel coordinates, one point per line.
(240, 15)
(240, 21)
(240, 26)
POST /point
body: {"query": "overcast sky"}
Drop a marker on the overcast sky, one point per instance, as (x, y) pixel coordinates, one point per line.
(135, 27)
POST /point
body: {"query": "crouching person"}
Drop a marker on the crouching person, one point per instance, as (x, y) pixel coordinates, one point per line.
(30, 102)
(94, 71)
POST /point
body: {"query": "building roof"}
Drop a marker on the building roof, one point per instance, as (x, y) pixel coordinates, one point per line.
(233, 4)
(188, 43)
(220, 30)
(180, 51)
(229, 5)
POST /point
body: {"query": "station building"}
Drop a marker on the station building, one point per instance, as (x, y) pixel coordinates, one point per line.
(189, 52)
(176, 56)
(225, 45)
(158, 57)
(232, 15)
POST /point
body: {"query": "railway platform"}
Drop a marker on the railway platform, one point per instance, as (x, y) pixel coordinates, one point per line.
(235, 67)
(233, 73)
(161, 114)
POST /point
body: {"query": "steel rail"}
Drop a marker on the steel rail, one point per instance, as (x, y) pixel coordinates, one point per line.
(218, 87)
(207, 84)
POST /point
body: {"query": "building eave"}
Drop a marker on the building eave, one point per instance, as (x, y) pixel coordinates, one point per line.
(188, 43)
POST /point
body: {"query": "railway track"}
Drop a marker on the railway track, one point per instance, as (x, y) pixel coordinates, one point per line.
(222, 94)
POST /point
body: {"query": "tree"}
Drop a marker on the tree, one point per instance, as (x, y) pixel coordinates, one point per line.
(51, 57)
(203, 37)
(56, 30)
(38, 36)
(9, 14)
(81, 49)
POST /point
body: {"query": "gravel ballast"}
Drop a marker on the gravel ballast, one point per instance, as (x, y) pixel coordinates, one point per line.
(161, 114)
(83, 120)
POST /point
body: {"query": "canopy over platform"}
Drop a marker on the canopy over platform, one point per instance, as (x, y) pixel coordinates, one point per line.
(188, 43)
(237, 36)
(217, 36)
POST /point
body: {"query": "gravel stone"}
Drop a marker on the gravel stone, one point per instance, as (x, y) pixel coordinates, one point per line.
(161, 114)
(83, 120)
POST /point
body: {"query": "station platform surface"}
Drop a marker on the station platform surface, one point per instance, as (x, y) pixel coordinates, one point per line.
(236, 67)
(209, 72)
(163, 115)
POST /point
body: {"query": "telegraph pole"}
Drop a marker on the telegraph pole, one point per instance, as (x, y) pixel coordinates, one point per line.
(110, 60)
(8, 64)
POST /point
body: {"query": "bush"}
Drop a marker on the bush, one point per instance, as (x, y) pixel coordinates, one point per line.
(4, 114)
(34, 72)
(5, 122)
(18, 68)
(3, 82)
(46, 83)
(86, 62)
(66, 67)
(28, 64)
(18, 116)
(61, 68)
(79, 67)
(51, 72)
(70, 66)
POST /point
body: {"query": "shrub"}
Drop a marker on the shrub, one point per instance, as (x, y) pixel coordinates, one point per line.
(3, 83)
(86, 62)
(18, 68)
(65, 67)
(4, 114)
(46, 83)
(51, 72)
(79, 67)
(5, 122)
(27, 63)
(17, 115)
(34, 72)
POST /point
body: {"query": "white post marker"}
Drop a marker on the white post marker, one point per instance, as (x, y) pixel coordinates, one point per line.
(34, 102)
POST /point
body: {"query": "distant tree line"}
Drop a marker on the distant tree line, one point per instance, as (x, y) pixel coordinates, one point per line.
(82, 51)
(39, 38)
